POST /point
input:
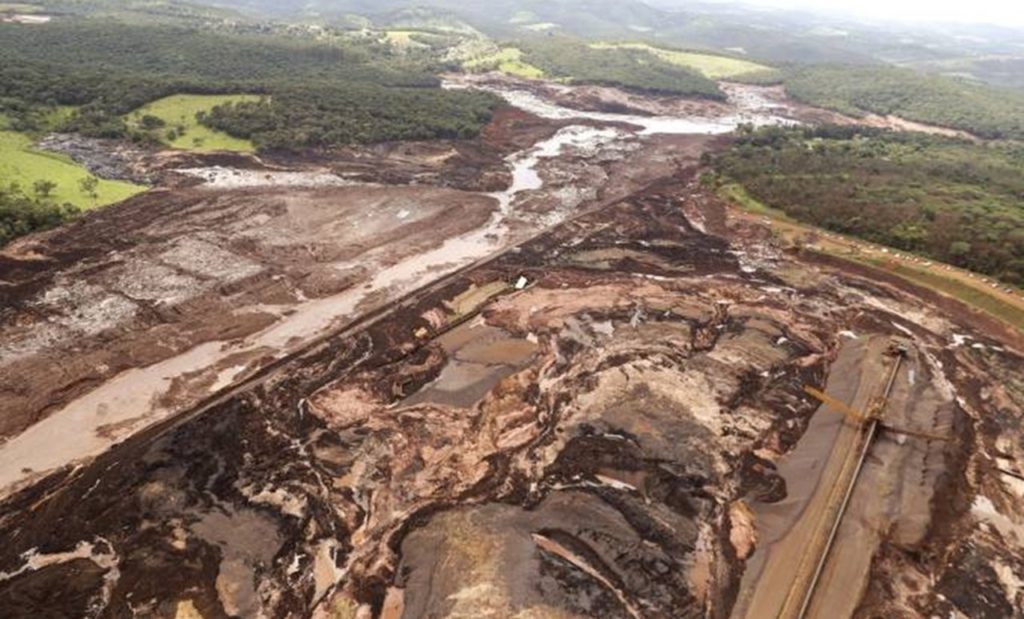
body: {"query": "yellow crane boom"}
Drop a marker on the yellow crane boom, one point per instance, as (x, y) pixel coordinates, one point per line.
(860, 417)
(825, 398)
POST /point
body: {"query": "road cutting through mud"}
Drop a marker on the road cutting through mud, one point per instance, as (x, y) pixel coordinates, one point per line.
(592, 405)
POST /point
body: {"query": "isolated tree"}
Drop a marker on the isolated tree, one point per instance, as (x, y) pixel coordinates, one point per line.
(89, 185)
(44, 187)
(150, 122)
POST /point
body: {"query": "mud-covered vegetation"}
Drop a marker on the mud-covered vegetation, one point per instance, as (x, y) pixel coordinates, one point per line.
(110, 69)
(984, 111)
(633, 69)
(952, 200)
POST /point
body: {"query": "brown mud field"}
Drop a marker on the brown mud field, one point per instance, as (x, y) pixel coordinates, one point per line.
(413, 395)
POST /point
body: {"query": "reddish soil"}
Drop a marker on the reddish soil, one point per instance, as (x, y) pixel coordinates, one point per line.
(590, 444)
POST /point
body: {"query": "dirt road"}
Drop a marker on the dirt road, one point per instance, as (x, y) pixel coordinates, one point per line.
(891, 495)
(792, 531)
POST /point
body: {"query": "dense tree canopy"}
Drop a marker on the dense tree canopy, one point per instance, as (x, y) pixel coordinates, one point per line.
(352, 114)
(953, 200)
(629, 68)
(111, 68)
(985, 111)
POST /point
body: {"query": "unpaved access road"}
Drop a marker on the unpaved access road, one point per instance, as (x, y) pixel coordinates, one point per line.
(792, 531)
(891, 494)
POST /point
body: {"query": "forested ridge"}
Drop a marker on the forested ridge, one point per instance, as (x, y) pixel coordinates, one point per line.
(110, 69)
(985, 111)
(633, 69)
(952, 200)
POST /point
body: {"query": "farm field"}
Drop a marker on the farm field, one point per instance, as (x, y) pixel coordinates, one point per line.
(20, 164)
(180, 111)
(711, 66)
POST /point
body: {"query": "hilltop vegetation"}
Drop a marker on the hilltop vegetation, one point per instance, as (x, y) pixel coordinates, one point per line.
(633, 69)
(507, 60)
(709, 65)
(110, 69)
(984, 111)
(951, 200)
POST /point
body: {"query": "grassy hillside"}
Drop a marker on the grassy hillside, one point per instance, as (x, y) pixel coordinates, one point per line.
(507, 60)
(951, 200)
(982, 110)
(711, 66)
(576, 61)
(182, 130)
(22, 165)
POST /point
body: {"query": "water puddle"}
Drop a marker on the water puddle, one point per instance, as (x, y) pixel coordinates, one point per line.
(480, 357)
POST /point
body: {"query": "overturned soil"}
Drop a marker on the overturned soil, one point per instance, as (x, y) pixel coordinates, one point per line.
(422, 395)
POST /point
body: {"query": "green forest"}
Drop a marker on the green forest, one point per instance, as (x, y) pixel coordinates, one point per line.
(948, 199)
(985, 111)
(110, 69)
(21, 214)
(633, 69)
(351, 114)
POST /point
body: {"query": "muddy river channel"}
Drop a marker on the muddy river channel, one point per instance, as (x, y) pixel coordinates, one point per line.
(540, 373)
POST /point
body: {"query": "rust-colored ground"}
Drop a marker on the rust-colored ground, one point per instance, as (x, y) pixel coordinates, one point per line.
(346, 424)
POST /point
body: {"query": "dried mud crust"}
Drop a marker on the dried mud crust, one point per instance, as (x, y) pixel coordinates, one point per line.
(607, 475)
(154, 277)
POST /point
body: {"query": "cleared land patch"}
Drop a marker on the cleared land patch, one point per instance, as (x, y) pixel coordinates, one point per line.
(709, 65)
(507, 60)
(403, 38)
(183, 131)
(20, 164)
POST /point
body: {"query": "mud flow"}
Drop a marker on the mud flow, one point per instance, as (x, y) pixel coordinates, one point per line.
(543, 373)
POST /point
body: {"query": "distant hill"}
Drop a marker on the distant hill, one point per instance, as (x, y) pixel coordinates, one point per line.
(986, 53)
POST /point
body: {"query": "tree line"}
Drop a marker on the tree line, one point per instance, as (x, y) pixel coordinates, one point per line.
(632, 69)
(952, 200)
(985, 111)
(111, 68)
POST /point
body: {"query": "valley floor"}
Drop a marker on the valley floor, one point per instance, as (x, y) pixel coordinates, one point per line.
(544, 373)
